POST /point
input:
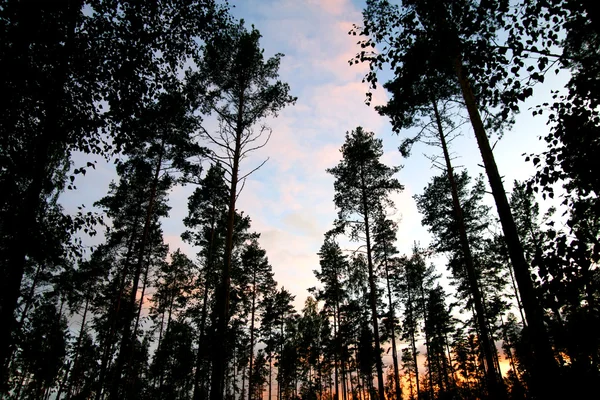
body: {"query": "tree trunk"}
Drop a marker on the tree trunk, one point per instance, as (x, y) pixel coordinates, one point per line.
(412, 338)
(243, 391)
(219, 354)
(357, 371)
(494, 379)
(545, 368)
(29, 301)
(373, 291)
(427, 341)
(343, 378)
(77, 349)
(117, 309)
(516, 292)
(279, 378)
(392, 325)
(199, 387)
(252, 334)
(132, 376)
(270, 374)
(337, 354)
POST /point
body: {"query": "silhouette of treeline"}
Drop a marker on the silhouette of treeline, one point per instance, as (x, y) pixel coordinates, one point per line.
(139, 83)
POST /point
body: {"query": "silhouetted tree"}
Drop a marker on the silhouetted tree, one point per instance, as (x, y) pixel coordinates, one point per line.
(362, 188)
(242, 89)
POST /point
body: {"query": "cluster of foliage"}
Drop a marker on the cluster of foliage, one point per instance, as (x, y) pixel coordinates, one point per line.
(132, 82)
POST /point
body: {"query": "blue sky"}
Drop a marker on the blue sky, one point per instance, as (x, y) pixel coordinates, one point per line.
(290, 200)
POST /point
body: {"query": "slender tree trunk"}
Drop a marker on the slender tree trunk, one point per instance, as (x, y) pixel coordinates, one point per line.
(337, 319)
(410, 385)
(343, 378)
(351, 389)
(279, 377)
(65, 380)
(132, 376)
(430, 354)
(337, 354)
(199, 385)
(545, 369)
(219, 354)
(357, 371)
(510, 353)
(243, 391)
(31, 294)
(252, 334)
(270, 374)
(494, 379)
(77, 350)
(117, 309)
(445, 366)
(516, 291)
(139, 310)
(319, 376)
(198, 380)
(450, 365)
(392, 328)
(373, 290)
(412, 338)
(28, 305)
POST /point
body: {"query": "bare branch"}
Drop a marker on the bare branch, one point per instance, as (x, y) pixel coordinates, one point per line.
(243, 153)
(224, 144)
(261, 164)
(240, 191)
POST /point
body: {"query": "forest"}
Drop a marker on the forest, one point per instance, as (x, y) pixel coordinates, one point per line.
(504, 303)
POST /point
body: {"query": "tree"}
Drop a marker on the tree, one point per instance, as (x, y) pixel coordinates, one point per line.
(174, 362)
(310, 329)
(278, 314)
(438, 325)
(134, 242)
(384, 251)
(463, 238)
(241, 88)
(165, 127)
(333, 265)
(44, 348)
(257, 268)
(362, 188)
(207, 224)
(416, 278)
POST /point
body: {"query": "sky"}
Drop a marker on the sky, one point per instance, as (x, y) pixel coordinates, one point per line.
(290, 199)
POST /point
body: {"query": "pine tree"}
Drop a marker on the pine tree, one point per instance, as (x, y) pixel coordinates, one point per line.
(241, 88)
(333, 266)
(384, 251)
(438, 209)
(260, 282)
(362, 187)
(207, 224)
